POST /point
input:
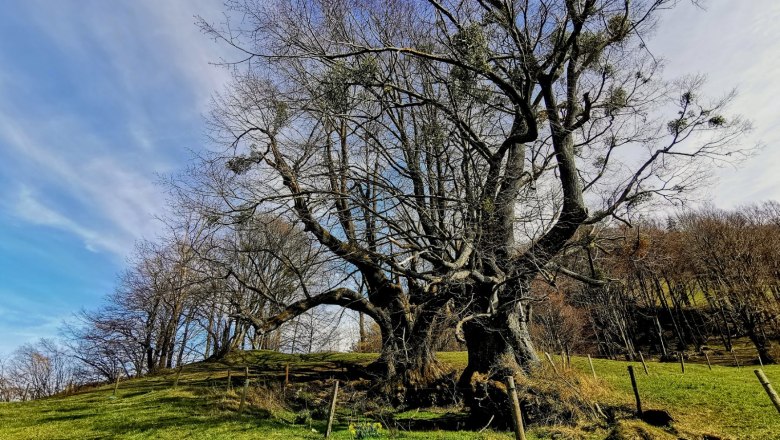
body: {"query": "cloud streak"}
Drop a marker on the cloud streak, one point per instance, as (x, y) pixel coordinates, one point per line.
(28, 208)
(736, 44)
(125, 109)
(97, 99)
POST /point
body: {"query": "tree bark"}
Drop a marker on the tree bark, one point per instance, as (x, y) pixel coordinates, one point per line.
(407, 363)
(362, 325)
(498, 346)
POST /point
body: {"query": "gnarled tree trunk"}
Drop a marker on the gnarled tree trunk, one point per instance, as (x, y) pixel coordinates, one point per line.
(498, 346)
(407, 363)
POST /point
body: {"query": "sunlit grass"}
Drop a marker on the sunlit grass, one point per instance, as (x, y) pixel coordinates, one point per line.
(728, 402)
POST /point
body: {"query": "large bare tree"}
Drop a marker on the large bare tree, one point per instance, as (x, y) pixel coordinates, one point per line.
(448, 151)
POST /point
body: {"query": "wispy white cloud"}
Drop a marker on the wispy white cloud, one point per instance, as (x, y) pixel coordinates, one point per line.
(145, 63)
(97, 99)
(736, 44)
(24, 321)
(29, 208)
(106, 204)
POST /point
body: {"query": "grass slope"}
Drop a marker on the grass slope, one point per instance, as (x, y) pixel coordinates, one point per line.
(727, 402)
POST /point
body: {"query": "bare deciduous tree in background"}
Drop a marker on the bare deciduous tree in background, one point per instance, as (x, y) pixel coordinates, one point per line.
(34, 371)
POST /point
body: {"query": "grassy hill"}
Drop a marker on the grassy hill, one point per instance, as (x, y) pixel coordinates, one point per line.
(726, 402)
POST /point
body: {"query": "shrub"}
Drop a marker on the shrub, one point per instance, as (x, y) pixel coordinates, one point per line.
(303, 418)
(365, 430)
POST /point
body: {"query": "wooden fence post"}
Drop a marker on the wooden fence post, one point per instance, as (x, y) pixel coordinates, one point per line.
(593, 370)
(563, 361)
(682, 363)
(178, 374)
(706, 356)
(517, 416)
(287, 375)
(636, 390)
(332, 411)
(549, 358)
(116, 385)
(768, 388)
(229, 382)
(736, 361)
(243, 394)
(644, 365)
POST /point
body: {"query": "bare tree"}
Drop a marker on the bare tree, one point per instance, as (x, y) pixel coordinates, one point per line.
(8, 388)
(262, 265)
(37, 370)
(734, 255)
(448, 151)
(102, 353)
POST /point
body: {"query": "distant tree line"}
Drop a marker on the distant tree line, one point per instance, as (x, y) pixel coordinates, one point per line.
(707, 276)
(37, 370)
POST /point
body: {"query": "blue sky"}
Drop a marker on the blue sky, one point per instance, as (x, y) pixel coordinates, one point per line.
(98, 98)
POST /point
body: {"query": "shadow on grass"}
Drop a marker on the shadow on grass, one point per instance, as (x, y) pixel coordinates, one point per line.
(174, 412)
(65, 417)
(252, 420)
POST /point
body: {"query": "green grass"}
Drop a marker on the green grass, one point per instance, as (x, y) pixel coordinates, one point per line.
(144, 410)
(726, 401)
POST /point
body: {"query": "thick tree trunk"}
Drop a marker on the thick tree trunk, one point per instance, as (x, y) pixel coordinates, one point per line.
(499, 341)
(421, 370)
(498, 346)
(407, 364)
(150, 359)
